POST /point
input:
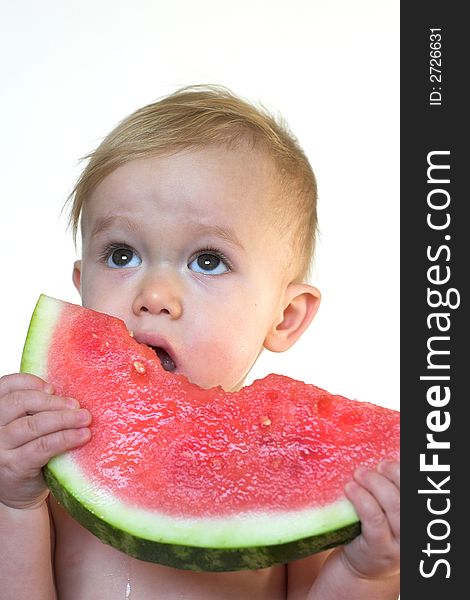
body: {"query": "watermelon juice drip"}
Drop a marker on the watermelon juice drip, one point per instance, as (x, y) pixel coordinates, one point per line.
(160, 441)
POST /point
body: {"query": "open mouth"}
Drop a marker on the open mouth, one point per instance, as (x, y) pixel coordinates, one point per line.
(167, 362)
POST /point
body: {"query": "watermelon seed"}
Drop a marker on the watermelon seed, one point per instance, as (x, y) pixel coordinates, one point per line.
(139, 367)
(131, 333)
(265, 421)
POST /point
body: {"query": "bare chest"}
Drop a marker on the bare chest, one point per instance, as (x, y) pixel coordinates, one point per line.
(86, 569)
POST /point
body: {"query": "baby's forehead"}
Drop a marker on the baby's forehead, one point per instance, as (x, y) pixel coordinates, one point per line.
(209, 185)
(217, 172)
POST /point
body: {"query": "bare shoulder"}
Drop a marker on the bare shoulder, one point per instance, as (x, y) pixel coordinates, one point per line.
(87, 568)
(302, 573)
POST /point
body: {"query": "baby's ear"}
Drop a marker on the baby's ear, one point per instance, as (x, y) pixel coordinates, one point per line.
(301, 303)
(77, 275)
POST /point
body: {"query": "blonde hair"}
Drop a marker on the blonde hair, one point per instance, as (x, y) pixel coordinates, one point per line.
(203, 115)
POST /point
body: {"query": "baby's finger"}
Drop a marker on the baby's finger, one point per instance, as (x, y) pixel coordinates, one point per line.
(386, 493)
(391, 470)
(22, 381)
(38, 452)
(28, 428)
(20, 403)
(375, 528)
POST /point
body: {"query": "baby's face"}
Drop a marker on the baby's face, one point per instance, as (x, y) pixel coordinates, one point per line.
(182, 248)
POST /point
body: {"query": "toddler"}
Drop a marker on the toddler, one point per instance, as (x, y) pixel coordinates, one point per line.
(197, 216)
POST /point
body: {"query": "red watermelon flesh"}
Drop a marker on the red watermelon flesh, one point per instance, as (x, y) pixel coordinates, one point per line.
(162, 444)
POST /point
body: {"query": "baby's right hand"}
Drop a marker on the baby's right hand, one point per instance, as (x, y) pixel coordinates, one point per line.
(35, 425)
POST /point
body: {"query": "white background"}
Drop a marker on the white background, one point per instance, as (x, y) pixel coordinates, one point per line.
(70, 70)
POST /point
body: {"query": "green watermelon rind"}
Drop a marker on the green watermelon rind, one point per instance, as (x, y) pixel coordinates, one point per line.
(223, 544)
(40, 331)
(244, 541)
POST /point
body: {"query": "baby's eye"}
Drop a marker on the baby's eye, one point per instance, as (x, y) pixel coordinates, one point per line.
(209, 263)
(118, 258)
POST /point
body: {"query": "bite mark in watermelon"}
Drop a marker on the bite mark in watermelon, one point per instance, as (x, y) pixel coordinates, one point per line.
(200, 479)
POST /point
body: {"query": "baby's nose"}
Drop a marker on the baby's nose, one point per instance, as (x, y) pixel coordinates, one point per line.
(159, 295)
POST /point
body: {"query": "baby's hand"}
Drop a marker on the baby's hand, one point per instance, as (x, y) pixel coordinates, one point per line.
(376, 497)
(35, 425)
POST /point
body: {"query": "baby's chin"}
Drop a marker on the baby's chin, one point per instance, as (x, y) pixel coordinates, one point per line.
(207, 383)
(238, 386)
(208, 371)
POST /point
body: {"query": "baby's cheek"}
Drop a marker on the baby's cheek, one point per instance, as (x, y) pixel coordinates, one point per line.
(234, 360)
(223, 363)
(221, 350)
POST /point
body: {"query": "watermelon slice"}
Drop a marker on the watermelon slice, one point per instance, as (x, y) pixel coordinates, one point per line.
(200, 479)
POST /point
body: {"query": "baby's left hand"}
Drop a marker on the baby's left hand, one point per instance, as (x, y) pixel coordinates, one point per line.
(376, 497)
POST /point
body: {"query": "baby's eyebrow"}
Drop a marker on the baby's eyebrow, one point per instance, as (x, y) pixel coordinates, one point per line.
(113, 221)
(227, 234)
